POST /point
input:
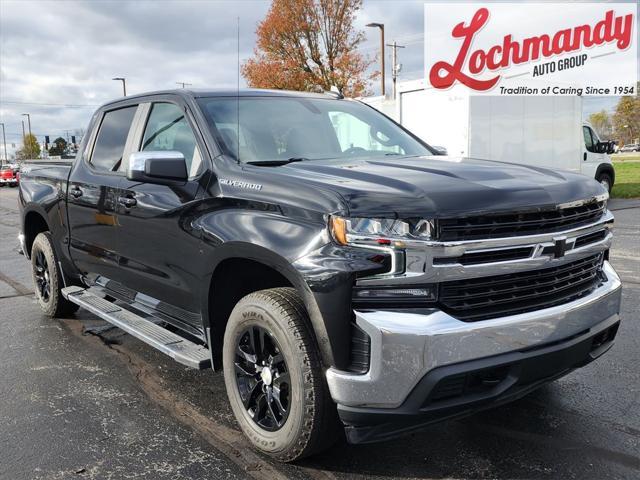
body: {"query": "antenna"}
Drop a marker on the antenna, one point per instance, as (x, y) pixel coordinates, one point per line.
(238, 94)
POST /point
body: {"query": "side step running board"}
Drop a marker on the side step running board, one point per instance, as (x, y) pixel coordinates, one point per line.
(180, 349)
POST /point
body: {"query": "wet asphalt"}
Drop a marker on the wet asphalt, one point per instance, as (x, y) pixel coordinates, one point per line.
(78, 400)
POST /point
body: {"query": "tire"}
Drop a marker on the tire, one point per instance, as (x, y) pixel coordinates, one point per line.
(605, 181)
(47, 278)
(310, 423)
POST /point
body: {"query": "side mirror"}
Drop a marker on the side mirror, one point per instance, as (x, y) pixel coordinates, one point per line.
(159, 167)
(605, 147)
(611, 148)
(440, 150)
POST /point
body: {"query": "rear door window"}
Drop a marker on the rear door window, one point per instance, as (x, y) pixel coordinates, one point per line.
(112, 137)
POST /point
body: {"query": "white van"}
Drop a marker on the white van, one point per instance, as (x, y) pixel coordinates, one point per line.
(538, 131)
(596, 160)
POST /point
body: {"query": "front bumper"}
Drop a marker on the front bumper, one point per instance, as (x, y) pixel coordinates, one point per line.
(408, 346)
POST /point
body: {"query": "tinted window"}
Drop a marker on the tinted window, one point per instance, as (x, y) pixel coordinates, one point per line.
(355, 135)
(168, 129)
(109, 147)
(263, 129)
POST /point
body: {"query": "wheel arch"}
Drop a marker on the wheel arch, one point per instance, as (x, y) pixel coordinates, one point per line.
(230, 275)
(35, 222)
(606, 168)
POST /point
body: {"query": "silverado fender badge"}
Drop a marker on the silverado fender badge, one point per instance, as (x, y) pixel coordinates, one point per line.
(240, 184)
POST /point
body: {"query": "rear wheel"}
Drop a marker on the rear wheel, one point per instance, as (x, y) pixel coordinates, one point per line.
(47, 278)
(273, 376)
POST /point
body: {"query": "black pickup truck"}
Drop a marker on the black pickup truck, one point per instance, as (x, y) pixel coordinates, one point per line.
(341, 273)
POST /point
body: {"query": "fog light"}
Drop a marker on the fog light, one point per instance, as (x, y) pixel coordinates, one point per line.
(423, 293)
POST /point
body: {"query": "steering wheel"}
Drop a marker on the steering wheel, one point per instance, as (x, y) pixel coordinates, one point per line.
(354, 150)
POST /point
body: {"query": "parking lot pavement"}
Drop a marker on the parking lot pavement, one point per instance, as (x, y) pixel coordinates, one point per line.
(103, 405)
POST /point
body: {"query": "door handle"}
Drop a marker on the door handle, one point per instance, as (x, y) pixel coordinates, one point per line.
(584, 156)
(128, 202)
(75, 192)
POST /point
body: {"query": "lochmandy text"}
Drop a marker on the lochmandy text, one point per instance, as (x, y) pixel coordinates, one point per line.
(611, 29)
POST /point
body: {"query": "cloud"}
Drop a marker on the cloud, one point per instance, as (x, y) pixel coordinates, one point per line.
(68, 52)
(404, 22)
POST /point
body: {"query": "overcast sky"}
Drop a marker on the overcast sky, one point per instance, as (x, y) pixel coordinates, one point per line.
(65, 53)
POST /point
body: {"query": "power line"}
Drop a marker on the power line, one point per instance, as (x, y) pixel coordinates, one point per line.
(8, 124)
(53, 133)
(410, 39)
(68, 105)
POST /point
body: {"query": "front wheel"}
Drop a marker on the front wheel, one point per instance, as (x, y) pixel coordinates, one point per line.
(605, 181)
(47, 278)
(274, 378)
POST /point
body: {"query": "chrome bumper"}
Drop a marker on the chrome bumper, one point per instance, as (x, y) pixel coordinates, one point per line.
(406, 346)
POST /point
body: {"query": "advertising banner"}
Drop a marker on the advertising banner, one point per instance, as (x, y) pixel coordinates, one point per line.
(532, 48)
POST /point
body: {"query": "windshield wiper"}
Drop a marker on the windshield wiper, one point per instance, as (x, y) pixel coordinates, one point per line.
(276, 163)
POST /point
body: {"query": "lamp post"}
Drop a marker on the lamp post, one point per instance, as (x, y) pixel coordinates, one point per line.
(124, 84)
(381, 27)
(4, 142)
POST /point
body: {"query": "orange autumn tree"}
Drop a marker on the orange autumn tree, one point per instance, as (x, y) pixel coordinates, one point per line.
(309, 45)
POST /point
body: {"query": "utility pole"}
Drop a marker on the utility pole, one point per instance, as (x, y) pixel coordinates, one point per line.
(4, 142)
(184, 83)
(23, 134)
(381, 27)
(395, 67)
(124, 84)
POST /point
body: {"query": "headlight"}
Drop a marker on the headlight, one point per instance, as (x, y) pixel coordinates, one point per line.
(383, 231)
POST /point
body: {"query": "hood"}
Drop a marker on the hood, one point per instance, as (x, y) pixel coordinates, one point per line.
(441, 186)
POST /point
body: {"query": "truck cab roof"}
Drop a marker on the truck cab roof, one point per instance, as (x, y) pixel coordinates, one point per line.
(192, 93)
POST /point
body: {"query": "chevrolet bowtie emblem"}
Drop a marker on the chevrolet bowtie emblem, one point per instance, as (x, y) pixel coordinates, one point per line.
(560, 247)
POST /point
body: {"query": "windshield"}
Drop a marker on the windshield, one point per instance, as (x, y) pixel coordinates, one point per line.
(280, 129)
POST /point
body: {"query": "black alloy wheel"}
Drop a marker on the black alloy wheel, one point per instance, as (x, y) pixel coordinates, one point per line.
(48, 278)
(274, 376)
(42, 276)
(262, 378)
